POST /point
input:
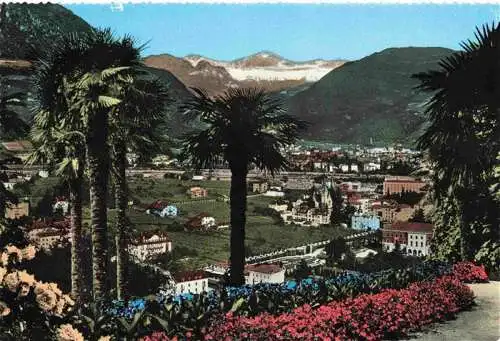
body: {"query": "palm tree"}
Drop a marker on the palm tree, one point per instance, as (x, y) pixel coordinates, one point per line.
(131, 127)
(85, 71)
(61, 148)
(463, 137)
(244, 126)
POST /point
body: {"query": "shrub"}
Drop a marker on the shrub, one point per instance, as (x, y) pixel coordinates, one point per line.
(470, 273)
(388, 314)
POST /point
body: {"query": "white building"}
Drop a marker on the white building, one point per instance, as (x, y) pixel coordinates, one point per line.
(344, 168)
(194, 282)
(62, 205)
(354, 168)
(279, 207)
(275, 193)
(148, 245)
(264, 273)
(371, 167)
(418, 244)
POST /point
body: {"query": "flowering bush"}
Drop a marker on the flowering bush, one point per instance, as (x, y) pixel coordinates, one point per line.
(470, 273)
(27, 307)
(388, 314)
(279, 298)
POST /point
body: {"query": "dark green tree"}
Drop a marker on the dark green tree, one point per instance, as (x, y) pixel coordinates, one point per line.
(244, 127)
(462, 142)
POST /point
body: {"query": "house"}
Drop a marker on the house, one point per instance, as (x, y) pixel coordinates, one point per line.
(43, 174)
(413, 238)
(398, 184)
(16, 211)
(365, 222)
(275, 192)
(197, 192)
(201, 222)
(194, 282)
(47, 234)
(48, 238)
(61, 204)
(198, 178)
(162, 209)
(149, 244)
(264, 273)
(259, 186)
(371, 167)
(354, 168)
(161, 160)
(279, 206)
(344, 168)
(20, 149)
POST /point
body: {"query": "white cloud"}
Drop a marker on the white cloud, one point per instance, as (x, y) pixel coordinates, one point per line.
(116, 7)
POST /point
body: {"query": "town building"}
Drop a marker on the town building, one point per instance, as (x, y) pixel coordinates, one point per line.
(275, 192)
(279, 206)
(48, 238)
(365, 222)
(311, 210)
(264, 273)
(399, 184)
(194, 282)
(162, 209)
(19, 149)
(413, 238)
(201, 222)
(197, 192)
(16, 211)
(149, 244)
(259, 186)
(62, 205)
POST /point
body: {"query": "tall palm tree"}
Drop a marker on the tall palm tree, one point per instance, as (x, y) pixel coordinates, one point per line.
(244, 126)
(64, 150)
(131, 127)
(85, 71)
(463, 137)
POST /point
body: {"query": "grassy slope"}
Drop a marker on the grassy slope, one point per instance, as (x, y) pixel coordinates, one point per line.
(262, 233)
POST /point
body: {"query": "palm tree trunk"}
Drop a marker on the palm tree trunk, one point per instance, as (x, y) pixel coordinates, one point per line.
(238, 205)
(75, 199)
(121, 237)
(98, 165)
(463, 226)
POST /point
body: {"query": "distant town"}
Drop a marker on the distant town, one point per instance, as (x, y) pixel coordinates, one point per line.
(367, 196)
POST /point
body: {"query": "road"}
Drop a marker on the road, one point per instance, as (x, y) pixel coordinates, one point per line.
(481, 323)
(222, 173)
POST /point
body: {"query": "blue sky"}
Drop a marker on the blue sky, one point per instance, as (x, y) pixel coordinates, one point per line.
(297, 32)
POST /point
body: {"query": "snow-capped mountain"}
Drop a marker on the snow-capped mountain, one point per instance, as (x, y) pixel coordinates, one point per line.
(271, 67)
(264, 69)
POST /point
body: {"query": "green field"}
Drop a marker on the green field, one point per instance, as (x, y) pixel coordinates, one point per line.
(263, 233)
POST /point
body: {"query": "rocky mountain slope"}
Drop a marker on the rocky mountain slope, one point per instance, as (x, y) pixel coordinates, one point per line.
(373, 97)
(265, 69)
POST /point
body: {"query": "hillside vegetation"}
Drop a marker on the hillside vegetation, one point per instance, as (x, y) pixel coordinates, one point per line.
(373, 97)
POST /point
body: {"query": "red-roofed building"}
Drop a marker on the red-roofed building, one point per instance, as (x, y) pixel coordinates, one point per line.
(201, 222)
(194, 282)
(398, 184)
(414, 238)
(149, 244)
(264, 273)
